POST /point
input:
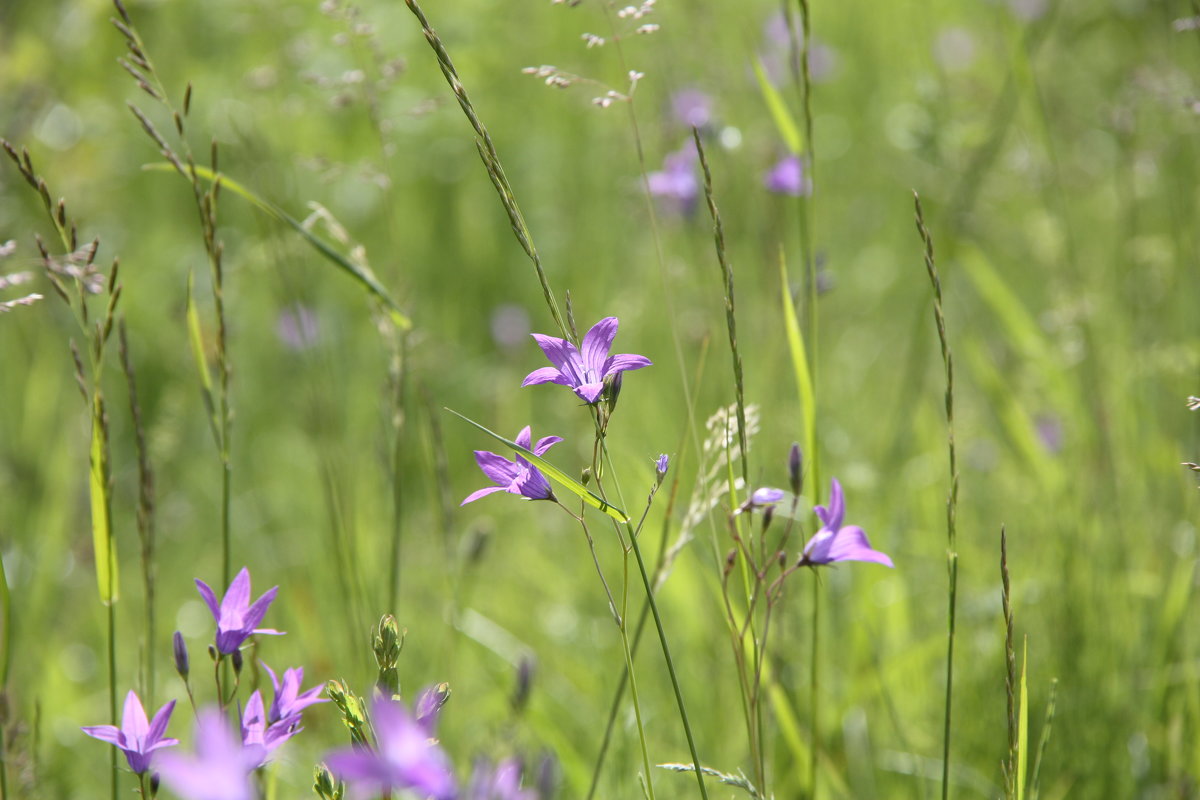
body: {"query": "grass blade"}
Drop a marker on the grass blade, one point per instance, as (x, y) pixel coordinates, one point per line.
(1043, 740)
(779, 111)
(361, 274)
(804, 384)
(102, 542)
(1023, 726)
(552, 472)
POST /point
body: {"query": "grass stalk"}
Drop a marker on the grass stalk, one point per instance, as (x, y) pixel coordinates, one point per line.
(952, 497)
(491, 161)
(1010, 670)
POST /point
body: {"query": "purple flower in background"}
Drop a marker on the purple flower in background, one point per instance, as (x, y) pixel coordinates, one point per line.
(221, 767)
(405, 758)
(297, 327)
(777, 51)
(676, 182)
(289, 701)
(236, 617)
(500, 783)
(584, 372)
(258, 732)
(137, 737)
(429, 705)
(515, 477)
(692, 107)
(836, 543)
(787, 177)
(766, 496)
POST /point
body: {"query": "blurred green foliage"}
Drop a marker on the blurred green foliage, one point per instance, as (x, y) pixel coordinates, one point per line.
(1055, 148)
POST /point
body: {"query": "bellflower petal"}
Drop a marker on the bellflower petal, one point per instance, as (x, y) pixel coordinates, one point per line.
(236, 618)
(137, 737)
(221, 767)
(585, 373)
(835, 542)
(518, 476)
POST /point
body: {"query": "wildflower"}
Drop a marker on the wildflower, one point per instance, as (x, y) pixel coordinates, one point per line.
(137, 737)
(236, 617)
(787, 177)
(836, 543)
(676, 182)
(221, 767)
(516, 477)
(429, 705)
(585, 373)
(500, 783)
(289, 701)
(405, 758)
(181, 654)
(258, 731)
(661, 466)
(692, 107)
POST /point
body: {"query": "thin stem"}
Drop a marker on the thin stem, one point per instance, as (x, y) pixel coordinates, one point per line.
(112, 688)
(633, 692)
(814, 695)
(952, 498)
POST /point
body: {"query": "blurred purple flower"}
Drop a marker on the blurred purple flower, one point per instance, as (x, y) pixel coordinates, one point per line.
(835, 542)
(584, 372)
(766, 496)
(221, 767)
(500, 783)
(822, 59)
(405, 758)
(289, 701)
(297, 327)
(236, 618)
(661, 465)
(515, 477)
(787, 177)
(692, 107)
(137, 737)
(676, 183)
(1050, 433)
(509, 325)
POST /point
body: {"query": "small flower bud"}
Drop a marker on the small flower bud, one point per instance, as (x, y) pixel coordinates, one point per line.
(782, 559)
(585, 477)
(612, 391)
(429, 704)
(765, 497)
(388, 641)
(795, 467)
(324, 784)
(154, 781)
(236, 657)
(547, 777)
(730, 560)
(520, 696)
(660, 467)
(212, 652)
(181, 655)
(768, 515)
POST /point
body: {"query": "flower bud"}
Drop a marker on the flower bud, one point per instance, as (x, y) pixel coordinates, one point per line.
(154, 781)
(181, 655)
(795, 467)
(324, 784)
(547, 777)
(212, 652)
(429, 705)
(730, 560)
(660, 467)
(525, 669)
(585, 477)
(236, 657)
(612, 390)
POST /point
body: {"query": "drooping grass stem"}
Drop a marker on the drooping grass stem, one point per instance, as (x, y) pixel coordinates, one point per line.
(952, 498)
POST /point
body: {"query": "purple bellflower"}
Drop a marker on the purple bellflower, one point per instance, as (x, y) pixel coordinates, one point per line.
(405, 758)
(221, 768)
(584, 372)
(692, 107)
(137, 737)
(261, 734)
(501, 783)
(835, 542)
(289, 700)
(787, 177)
(236, 617)
(515, 477)
(676, 183)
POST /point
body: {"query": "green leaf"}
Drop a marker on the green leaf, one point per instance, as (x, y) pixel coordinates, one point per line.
(102, 542)
(360, 273)
(553, 473)
(1023, 727)
(779, 110)
(196, 339)
(5, 626)
(804, 386)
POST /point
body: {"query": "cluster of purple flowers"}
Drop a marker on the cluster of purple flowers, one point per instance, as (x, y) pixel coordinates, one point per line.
(589, 371)
(222, 762)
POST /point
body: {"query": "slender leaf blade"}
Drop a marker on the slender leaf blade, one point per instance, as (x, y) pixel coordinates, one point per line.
(803, 376)
(1023, 726)
(552, 472)
(102, 541)
(779, 111)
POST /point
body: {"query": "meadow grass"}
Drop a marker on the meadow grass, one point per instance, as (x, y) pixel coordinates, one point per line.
(360, 277)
